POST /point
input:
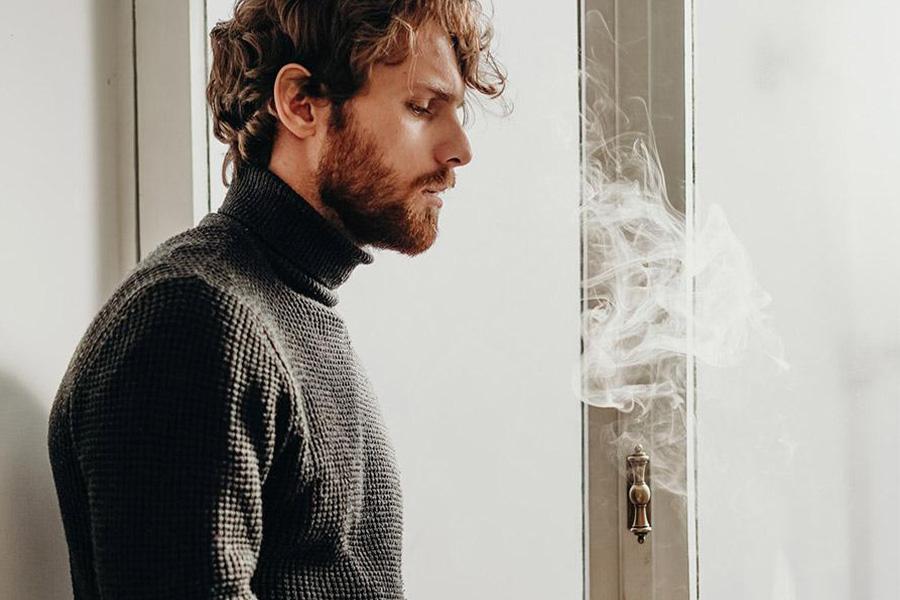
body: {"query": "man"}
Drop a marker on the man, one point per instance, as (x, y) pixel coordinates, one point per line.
(215, 435)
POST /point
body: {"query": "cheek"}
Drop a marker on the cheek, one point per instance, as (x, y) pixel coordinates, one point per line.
(407, 149)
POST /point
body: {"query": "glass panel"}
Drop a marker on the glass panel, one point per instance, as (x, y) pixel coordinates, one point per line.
(796, 142)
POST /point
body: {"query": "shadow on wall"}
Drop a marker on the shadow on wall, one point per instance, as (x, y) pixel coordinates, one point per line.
(34, 564)
(33, 554)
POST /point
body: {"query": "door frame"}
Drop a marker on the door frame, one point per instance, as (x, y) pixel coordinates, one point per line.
(170, 64)
(641, 50)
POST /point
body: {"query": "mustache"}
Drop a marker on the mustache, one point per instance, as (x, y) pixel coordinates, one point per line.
(444, 178)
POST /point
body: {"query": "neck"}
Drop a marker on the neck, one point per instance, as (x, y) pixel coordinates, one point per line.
(308, 252)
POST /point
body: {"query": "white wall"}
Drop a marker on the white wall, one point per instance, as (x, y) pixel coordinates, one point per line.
(797, 132)
(64, 240)
(474, 345)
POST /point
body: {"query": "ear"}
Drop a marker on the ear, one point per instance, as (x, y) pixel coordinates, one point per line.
(301, 115)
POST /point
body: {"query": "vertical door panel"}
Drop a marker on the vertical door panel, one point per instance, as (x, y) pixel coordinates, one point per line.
(634, 100)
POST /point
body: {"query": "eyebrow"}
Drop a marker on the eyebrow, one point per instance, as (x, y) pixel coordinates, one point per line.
(441, 92)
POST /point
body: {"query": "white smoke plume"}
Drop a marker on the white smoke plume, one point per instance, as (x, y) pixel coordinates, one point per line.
(656, 292)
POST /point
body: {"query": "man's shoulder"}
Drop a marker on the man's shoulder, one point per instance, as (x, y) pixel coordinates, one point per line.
(216, 261)
(206, 273)
(161, 313)
(155, 318)
(215, 251)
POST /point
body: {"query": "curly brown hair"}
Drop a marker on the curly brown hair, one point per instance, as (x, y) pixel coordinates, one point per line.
(338, 41)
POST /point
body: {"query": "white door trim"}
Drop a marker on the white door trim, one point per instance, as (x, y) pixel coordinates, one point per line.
(172, 162)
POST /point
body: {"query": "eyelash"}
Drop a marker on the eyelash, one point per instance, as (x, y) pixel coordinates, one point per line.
(419, 111)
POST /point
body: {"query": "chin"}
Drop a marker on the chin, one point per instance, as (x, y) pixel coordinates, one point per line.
(412, 234)
(412, 244)
(412, 249)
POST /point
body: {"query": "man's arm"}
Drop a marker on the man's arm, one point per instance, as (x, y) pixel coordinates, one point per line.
(176, 422)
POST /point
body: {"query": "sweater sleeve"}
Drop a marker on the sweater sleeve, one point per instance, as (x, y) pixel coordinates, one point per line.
(176, 421)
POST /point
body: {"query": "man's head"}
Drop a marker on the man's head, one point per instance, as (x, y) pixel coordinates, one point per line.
(355, 104)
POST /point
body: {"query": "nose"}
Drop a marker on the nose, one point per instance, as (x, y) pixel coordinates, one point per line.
(455, 151)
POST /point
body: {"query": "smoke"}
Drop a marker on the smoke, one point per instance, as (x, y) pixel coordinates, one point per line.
(660, 289)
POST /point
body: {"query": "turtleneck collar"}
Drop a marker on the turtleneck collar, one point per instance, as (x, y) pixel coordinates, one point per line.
(312, 252)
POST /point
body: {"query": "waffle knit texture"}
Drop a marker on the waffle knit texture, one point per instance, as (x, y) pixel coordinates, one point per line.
(215, 435)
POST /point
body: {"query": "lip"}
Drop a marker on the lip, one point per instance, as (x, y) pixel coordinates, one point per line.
(433, 198)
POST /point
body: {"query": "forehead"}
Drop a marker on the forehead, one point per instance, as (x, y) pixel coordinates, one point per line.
(430, 69)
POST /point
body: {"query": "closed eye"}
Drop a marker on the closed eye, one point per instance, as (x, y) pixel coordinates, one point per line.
(420, 111)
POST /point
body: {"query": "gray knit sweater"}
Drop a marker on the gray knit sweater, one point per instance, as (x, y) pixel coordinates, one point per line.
(215, 435)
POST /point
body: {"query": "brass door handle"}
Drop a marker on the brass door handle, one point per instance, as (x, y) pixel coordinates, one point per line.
(637, 476)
